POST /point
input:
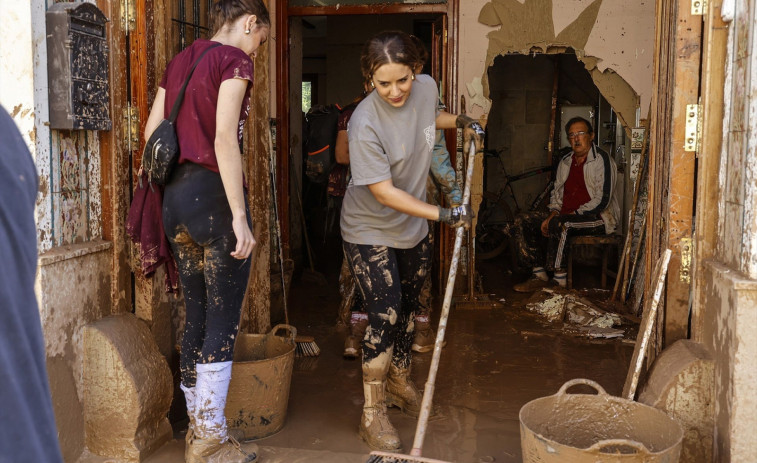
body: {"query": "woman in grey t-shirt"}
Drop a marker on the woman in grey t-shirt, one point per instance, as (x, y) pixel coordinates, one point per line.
(384, 219)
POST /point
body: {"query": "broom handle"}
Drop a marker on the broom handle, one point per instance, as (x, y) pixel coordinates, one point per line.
(428, 392)
(272, 161)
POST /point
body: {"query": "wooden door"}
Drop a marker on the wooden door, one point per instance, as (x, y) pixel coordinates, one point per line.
(672, 167)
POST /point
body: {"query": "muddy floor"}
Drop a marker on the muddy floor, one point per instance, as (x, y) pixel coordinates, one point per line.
(495, 361)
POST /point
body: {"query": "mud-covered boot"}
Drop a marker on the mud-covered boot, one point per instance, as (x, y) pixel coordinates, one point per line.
(209, 441)
(358, 324)
(375, 428)
(425, 337)
(401, 391)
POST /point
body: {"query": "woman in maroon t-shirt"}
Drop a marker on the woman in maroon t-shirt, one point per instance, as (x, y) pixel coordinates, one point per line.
(205, 214)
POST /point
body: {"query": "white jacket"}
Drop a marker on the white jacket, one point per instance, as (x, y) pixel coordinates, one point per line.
(600, 175)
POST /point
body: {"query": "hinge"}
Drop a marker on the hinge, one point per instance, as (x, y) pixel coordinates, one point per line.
(131, 127)
(698, 7)
(693, 127)
(128, 15)
(687, 251)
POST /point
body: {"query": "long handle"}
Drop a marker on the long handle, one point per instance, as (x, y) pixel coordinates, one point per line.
(272, 161)
(428, 392)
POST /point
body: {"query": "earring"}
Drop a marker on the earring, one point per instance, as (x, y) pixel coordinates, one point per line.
(372, 86)
(412, 77)
(247, 31)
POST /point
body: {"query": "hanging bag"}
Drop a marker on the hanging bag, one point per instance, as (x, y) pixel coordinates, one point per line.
(162, 148)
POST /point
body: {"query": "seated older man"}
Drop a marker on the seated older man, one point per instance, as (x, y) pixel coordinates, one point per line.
(582, 203)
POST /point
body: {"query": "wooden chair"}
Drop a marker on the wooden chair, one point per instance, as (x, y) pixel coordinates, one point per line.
(607, 243)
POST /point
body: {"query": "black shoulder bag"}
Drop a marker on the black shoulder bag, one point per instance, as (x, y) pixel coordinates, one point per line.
(162, 148)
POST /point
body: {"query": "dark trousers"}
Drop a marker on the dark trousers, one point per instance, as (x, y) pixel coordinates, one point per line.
(197, 220)
(536, 250)
(390, 282)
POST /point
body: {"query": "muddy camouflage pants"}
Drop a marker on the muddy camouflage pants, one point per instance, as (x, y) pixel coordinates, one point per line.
(197, 221)
(390, 282)
(536, 250)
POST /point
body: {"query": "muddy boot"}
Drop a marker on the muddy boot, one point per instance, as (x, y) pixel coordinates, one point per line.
(358, 324)
(210, 441)
(425, 336)
(375, 428)
(401, 391)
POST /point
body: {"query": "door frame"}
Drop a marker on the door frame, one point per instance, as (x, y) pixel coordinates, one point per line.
(283, 13)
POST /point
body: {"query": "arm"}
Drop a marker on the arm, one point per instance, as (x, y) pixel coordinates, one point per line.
(442, 171)
(390, 196)
(156, 112)
(445, 120)
(231, 93)
(600, 186)
(342, 148)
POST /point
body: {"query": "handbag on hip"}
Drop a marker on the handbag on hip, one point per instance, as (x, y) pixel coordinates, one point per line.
(162, 148)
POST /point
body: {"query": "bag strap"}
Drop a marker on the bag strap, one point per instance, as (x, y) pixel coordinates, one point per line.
(180, 96)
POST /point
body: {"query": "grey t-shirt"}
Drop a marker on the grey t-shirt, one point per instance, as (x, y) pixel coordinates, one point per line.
(389, 143)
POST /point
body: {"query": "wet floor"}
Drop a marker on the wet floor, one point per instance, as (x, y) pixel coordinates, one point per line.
(495, 361)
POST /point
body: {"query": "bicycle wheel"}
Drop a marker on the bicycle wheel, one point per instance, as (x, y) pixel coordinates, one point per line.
(491, 240)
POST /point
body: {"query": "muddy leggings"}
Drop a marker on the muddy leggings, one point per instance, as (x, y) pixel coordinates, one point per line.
(197, 221)
(390, 282)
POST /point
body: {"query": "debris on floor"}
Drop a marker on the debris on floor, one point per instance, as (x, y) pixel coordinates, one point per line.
(581, 316)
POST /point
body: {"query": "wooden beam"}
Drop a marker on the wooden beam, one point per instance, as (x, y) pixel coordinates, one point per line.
(713, 80)
(672, 170)
(114, 166)
(679, 212)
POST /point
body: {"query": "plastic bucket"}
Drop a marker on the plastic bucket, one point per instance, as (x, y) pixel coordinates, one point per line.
(583, 428)
(260, 378)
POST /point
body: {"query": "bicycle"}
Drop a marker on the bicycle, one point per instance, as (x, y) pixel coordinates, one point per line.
(495, 214)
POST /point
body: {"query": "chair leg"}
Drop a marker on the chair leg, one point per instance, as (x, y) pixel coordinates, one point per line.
(605, 252)
(569, 279)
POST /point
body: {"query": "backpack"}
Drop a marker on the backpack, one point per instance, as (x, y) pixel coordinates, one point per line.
(320, 129)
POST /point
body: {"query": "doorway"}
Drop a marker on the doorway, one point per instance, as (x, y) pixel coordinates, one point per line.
(322, 63)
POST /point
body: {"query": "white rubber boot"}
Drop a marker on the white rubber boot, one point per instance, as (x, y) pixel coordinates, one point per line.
(210, 441)
(189, 398)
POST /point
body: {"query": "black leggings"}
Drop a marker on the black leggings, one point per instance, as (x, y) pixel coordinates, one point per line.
(197, 220)
(390, 281)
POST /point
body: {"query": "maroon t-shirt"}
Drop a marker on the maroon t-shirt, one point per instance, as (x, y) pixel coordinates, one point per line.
(574, 191)
(196, 123)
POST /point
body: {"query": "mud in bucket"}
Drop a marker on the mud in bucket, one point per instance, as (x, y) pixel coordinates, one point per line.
(593, 428)
(260, 378)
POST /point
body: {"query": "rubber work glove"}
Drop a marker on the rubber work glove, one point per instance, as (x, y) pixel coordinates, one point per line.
(460, 216)
(471, 130)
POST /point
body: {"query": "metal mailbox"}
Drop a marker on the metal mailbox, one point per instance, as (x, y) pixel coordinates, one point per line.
(77, 67)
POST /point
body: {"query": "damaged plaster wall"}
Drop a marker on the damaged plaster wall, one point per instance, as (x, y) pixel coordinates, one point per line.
(23, 93)
(73, 290)
(726, 304)
(613, 38)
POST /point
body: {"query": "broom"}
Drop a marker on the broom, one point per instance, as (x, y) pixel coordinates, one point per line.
(305, 346)
(428, 392)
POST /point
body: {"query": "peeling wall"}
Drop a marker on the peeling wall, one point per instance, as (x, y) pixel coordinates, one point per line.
(726, 288)
(23, 93)
(73, 289)
(613, 38)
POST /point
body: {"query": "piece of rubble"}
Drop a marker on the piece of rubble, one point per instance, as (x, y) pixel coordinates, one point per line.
(549, 302)
(593, 332)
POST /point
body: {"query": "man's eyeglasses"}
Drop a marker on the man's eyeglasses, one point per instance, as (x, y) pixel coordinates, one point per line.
(577, 134)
